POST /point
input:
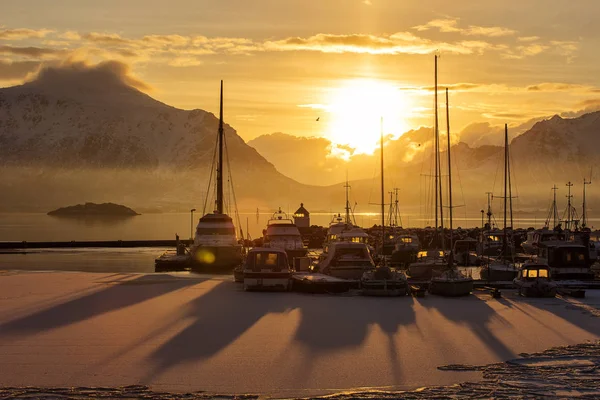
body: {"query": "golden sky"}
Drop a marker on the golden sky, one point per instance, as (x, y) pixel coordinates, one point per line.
(347, 62)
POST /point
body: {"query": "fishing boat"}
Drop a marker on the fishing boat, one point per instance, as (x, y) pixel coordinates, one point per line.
(534, 280)
(503, 268)
(405, 250)
(451, 282)
(216, 248)
(465, 252)
(347, 260)
(267, 269)
(282, 233)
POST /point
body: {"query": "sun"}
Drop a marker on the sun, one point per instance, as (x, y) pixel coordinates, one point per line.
(355, 110)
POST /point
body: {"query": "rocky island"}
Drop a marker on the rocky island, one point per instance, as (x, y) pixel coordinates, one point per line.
(94, 210)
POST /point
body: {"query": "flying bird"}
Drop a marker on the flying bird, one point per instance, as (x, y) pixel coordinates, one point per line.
(318, 118)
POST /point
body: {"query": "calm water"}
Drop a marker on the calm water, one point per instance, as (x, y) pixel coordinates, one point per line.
(41, 227)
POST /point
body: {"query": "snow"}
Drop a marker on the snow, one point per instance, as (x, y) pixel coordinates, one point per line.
(181, 332)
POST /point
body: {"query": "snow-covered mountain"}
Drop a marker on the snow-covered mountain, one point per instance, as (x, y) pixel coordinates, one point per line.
(88, 133)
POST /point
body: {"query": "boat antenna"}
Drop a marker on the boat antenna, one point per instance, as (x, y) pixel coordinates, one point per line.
(449, 177)
(569, 197)
(220, 160)
(489, 214)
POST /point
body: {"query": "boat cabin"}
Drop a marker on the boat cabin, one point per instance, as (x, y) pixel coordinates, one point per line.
(302, 217)
(266, 259)
(531, 272)
(567, 260)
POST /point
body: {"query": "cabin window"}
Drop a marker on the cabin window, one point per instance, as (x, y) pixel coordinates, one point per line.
(266, 259)
(299, 215)
(532, 273)
(215, 231)
(407, 240)
(543, 273)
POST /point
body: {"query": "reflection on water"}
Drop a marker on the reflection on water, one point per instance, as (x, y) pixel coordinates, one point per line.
(92, 220)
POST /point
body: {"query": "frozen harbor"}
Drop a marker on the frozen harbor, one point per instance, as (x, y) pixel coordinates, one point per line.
(186, 333)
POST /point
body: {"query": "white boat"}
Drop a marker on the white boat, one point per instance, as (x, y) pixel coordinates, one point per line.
(451, 282)
(534, 281)
(282, 233)
(536, 237)
(384, 281)
(215, 247)
(347, 260)
(267, 269)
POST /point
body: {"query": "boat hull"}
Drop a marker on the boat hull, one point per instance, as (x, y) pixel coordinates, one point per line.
(351, 273)
(216, 259)
(320, 283)
(267, 281)
(536, 290)
(450, 287)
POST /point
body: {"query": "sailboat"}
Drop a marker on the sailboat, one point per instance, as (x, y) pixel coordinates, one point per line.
(215, 247)
(451, 282)
(503, 268)
(383, 280)
(431, 262)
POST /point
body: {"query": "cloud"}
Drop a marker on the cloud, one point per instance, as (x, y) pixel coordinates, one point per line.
(105, 38)
(70, 35)
(449, 25)
(23, 33)
(83, 73)
(17, 70)
(556, 87)
(31, 52)
(528, 39)
(398, 43)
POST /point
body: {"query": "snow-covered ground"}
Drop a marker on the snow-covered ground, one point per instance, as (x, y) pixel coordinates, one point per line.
(187, 333)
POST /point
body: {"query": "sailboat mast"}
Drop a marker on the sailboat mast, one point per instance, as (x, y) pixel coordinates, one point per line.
(382, 187)
(584, 215)
(436, 148)
(504, 242)
(220, 161)
(449, 167)
(347, 186)
(554, 208)
(569, 196)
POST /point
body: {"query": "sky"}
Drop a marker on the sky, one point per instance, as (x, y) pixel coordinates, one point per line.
(330, 68)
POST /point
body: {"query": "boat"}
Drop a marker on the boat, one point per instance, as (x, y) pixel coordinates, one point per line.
(567, 260)
(216, 248)
(433, 261)
(282, 233)
(267, 269)
(405, 250)
(347, 260)
(384, 281)
(503, 268)
(464, 252)
(173, 260)
(534, 281)
(320, 283)
(451, 282)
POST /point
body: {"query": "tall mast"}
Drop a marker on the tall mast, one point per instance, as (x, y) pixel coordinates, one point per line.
(449, 168)
(439, 163)
(584, 216)
(436, 148)
(347, 186)
(569, 197)
(509, 184)
(554, 208)
(382, 187)
(220, 161)
(504, 241)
